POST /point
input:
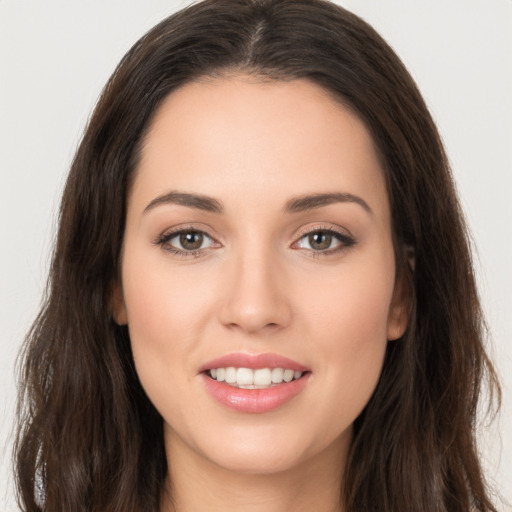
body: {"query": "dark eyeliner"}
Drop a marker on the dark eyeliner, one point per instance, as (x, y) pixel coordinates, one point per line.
(164, 239)
(346, 241)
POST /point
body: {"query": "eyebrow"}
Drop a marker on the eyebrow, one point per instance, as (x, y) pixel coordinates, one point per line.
(309, 202)
(294, 205)
(199, 202)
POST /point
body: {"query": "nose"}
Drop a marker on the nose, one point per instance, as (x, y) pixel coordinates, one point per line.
(256, 298)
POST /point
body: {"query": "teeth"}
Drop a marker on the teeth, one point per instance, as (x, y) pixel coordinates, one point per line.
(262, 377)
(277, 375)
(247, 378)
(288, 375)
(244, 377)
(230, 377)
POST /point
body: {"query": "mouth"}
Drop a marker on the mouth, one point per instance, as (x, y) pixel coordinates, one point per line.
(248, 378)
(254, 383)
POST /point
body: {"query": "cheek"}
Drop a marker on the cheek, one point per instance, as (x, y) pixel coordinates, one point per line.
(162, 303)
(349, 320)
(351, 302)
(164, 318)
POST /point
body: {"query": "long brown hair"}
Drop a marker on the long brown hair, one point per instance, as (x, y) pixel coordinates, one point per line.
(88, 437)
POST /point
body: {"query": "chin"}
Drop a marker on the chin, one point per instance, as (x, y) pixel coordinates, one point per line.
(265, 451)
(257, 462)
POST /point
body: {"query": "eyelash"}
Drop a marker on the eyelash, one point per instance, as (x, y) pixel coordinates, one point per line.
(345, 241)
(164, 242)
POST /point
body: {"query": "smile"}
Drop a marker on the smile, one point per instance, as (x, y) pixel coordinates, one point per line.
(247, 378)
(249, 383)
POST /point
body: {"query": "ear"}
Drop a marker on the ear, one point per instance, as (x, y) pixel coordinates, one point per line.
(401, 302)
(117, 305)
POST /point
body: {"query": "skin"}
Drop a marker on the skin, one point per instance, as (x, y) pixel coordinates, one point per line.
(257, 286)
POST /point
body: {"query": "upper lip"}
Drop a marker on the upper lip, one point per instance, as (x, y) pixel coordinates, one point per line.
(253, 361)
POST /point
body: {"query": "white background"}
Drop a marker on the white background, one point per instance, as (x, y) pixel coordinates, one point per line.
(56, 55)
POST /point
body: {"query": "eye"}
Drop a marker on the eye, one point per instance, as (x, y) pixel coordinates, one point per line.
(186, 242)
(324, 240)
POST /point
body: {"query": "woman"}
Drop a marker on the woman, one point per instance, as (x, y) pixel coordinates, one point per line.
(261, 295)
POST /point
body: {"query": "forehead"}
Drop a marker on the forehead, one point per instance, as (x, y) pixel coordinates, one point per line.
(251, 138)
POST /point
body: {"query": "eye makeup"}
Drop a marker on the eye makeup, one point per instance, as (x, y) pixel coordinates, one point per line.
(323, 241)
(186, 242)
(191, 242)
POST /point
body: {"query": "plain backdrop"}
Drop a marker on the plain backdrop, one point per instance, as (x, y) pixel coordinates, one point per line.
(55, 57)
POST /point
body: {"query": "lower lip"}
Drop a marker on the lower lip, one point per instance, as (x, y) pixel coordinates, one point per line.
(254, 400)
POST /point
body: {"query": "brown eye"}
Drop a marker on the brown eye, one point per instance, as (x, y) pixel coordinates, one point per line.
(187, 242)
(320, 240)
(324, 241)
(191, 240)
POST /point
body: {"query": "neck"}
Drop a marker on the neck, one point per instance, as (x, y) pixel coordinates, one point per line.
(195, 483)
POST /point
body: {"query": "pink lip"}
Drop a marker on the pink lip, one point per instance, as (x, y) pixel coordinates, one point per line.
(254, 400)
(253, 361)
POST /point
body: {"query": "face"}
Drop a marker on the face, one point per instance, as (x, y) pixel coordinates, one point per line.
(258, 249)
